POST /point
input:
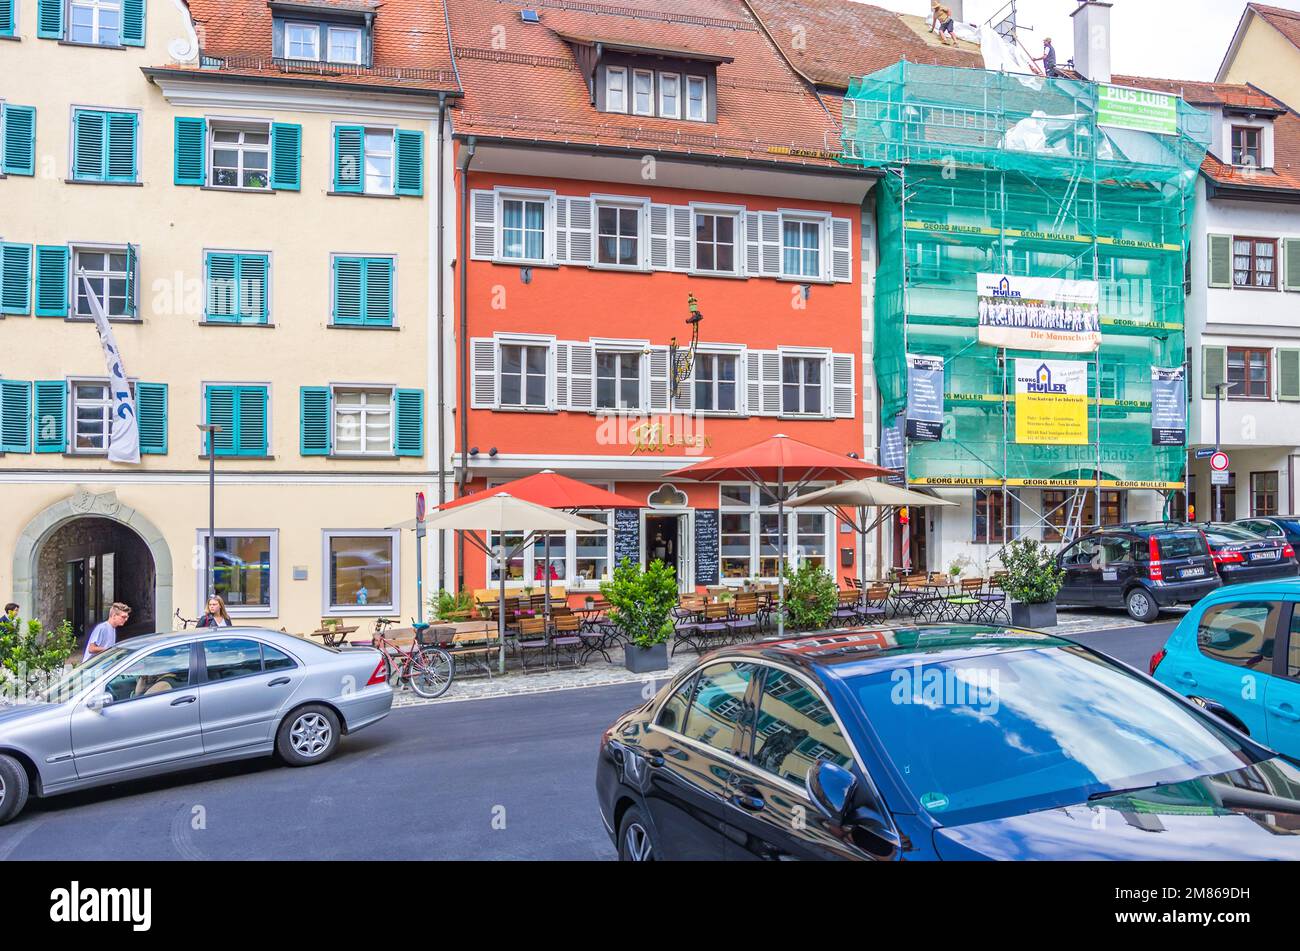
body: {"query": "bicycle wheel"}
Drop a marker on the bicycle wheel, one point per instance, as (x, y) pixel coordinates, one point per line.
(390, 671)
(432, 671)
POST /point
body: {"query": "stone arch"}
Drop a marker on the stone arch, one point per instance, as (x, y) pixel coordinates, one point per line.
(83, 504)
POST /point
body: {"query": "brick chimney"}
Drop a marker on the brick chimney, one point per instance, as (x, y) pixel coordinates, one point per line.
(1092, 40)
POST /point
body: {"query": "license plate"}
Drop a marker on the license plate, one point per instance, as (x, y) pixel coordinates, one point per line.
(1265, 555)
(1193, 573)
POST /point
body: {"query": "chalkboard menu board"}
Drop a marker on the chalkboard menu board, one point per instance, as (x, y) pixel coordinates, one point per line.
(706, 546)
(627, 535)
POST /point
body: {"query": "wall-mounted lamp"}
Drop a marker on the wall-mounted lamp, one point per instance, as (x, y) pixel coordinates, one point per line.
(526, 275)
(493, 452)
(474, 451)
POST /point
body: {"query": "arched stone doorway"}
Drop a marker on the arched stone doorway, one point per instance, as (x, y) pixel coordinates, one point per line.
(84, 552)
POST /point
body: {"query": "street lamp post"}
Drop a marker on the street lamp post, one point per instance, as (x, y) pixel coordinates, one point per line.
(1219, 389)
(210, 430)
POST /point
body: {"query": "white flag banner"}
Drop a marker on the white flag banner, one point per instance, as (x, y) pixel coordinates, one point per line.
(124, 445)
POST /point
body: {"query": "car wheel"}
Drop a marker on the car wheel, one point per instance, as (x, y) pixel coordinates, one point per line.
(308, 736)
(13, 788)
(634, 841)
(1141, 606)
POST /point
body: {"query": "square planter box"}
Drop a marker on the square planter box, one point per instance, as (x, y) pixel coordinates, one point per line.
(1033, 615)
(643, 660)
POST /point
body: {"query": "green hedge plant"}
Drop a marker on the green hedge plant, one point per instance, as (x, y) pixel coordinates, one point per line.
(642, 602)
(1032, 575)
(811, 596)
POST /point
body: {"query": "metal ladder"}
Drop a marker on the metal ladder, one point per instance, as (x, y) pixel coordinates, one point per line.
(1074, 519)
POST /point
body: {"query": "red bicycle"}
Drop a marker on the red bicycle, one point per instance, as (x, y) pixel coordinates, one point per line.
(426, 667)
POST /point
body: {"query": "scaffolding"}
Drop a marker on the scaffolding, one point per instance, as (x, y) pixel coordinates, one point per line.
(1004, 174)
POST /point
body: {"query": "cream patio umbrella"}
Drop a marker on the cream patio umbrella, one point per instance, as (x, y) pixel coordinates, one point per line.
(501, 513)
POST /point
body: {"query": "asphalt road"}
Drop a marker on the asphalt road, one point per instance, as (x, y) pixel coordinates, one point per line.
(507, 778)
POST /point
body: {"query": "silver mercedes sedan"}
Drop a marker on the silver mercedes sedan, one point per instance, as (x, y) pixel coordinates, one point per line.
(169, 702)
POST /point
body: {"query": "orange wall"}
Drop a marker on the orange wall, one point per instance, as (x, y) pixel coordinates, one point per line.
(575, 303)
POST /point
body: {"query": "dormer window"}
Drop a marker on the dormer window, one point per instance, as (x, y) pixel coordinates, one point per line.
(650, 81)
(311, 32)
(345, 44)
(615, 89)
(1247, 146)
(649, 92)
(302, 40)
(697, 99)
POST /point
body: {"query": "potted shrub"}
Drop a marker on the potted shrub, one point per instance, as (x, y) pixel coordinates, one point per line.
(641, 605)
(589, 601)
(811, 596)
(1032, 582)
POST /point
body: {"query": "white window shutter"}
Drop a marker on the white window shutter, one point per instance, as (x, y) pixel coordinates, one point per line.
(684, 398)
(753, 382)
(660, 259)
(483, 358)
(561, 230)
(683, 238)
(658, 360)
(753, 243)
(842, 249)
(582, 376)
(483, 225)
(771, 362)
(561, 375)
(574, 238)
(770, 240)
(843, 390)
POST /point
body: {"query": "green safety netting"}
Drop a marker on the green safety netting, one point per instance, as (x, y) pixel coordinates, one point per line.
(997, 173)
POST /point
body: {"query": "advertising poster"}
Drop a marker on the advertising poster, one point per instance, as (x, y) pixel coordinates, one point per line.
(1168, 406)
(1052, 402)
(924, 398)
(1139, 110)
(1039, 313)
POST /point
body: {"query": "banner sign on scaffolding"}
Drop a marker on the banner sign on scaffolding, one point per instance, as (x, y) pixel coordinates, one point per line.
(924, 398)
(1052, 402)
(1039, 313)
(1139, 110)
(1168, 406)
(892, 452)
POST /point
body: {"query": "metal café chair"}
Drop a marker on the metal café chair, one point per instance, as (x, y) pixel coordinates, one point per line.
(532, 638)
(849, 609)
(745, 617)
(566, 637)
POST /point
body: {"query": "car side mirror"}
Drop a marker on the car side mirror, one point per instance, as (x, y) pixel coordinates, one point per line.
(98, 702)
(1221, 713)
(834, 790)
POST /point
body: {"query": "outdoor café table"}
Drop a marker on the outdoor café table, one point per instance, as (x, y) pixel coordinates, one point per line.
(334, 636)
(473, 642)
(591, 615)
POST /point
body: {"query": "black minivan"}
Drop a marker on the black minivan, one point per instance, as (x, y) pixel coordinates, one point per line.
(1142, 567)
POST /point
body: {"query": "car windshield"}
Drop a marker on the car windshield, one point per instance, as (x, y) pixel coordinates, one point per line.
(1229, 535)
(84, 675)
(977, 738)
(1187, 545)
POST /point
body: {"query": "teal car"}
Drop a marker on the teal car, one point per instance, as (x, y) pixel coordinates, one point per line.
(1238, 651)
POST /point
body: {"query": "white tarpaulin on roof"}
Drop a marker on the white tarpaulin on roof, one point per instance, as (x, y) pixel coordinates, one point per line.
(1001, 55)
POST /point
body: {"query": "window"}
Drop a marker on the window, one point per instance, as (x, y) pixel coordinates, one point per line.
(273, 659)
(809, 540)
(795, 730)
(643, 92)
(801, 248)
(104, 146)
(302, 40)
(1263, 494)
(109, 274)
(748, 534)
(670, 95)
(1251, 371)
(1240, 633)
(523, 232)
(236, 291)
(734, 548)
(1254, 262)
(801, 386)
(364, 292)
(618, 379)
(231, 658)
(615, 89)
(715, 242)
(379, 162)
(715, 382)
(161, 672)
(1293, 651)
(697, 102)
(1056, 509)
(361, 572)
(244, 565)
(92, 416)
(672, 716)
(345, 44)
(991, 520)
(524, 372)
(591, 551)
(1247, 146)
(363, 422)
(718, 704)
(241, 156)
(619, 236)
(241, 412)
(515, 563)
(579, 559)
(95, 21)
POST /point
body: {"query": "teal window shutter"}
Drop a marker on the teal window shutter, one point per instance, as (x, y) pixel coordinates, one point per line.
(363, 292)
(190, 163)
(286, 156)
(221, 412)
(151, 415)
(408, 152)
(314, 436)
(15, 278)
(250, 424)
(378, 275)
(408, 424)
(49, 19)
(6, 17)
(51, 281)
(51, 401)
(221, 275)
(132, 279)
(348, 157)
(348, 281)
(15, 416)
(254, 270)
(120, 139)
(20, 138)
(88, 132)
(133, 22)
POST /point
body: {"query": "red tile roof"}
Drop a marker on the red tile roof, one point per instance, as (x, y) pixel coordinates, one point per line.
(522, 80)
(410, 44)
(1286, 22)
(833, 41)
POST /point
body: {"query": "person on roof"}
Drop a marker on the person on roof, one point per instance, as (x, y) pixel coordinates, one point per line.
(941, 17)
(1048, 59)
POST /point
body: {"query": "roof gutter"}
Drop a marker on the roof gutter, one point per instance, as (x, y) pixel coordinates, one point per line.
(1217, 189)
(154, 72)
(462, 408)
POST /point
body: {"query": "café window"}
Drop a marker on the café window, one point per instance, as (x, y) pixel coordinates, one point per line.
(245, 566)
(995, 516)
(578, 559)
(1247, 146)
(748, 534)
(1251, 372)
(1254, 263)
(1263, 494)
(1056, 511)
(361, 572)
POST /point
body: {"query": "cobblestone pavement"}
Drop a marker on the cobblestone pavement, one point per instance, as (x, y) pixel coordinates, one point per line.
(477, 686)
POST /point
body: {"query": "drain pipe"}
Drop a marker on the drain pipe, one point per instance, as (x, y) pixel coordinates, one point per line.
(462, 262)
(440, 266)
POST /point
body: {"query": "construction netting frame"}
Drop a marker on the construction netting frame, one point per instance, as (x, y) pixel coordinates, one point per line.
(998, 173)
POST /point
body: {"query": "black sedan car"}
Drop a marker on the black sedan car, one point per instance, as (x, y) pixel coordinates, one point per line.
(936, 742)
(1241, 555)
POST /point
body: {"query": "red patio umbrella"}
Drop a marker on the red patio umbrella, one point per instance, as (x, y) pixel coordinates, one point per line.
(782, 466)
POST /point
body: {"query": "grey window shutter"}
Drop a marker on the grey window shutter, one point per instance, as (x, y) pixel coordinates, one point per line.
(1288, 375)
(683, 238)
(753, 382)
(1214, 369)
(842, 249)
(660, 259)
(574, 239)
(770, 243)
(843, 389)
(684, 398)
(561, 375)
(1220, 260)
(771, 370)
(582, 374)
(483, 357)
(1291, 261)
(753, 243)
(658, 363)
(483, 225)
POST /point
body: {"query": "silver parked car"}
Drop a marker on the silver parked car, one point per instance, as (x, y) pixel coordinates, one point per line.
(176, 701)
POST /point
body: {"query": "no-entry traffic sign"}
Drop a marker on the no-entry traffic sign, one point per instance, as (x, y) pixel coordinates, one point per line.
(1219, 462)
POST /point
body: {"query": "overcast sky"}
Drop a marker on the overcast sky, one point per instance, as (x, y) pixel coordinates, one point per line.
(1174, 39)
